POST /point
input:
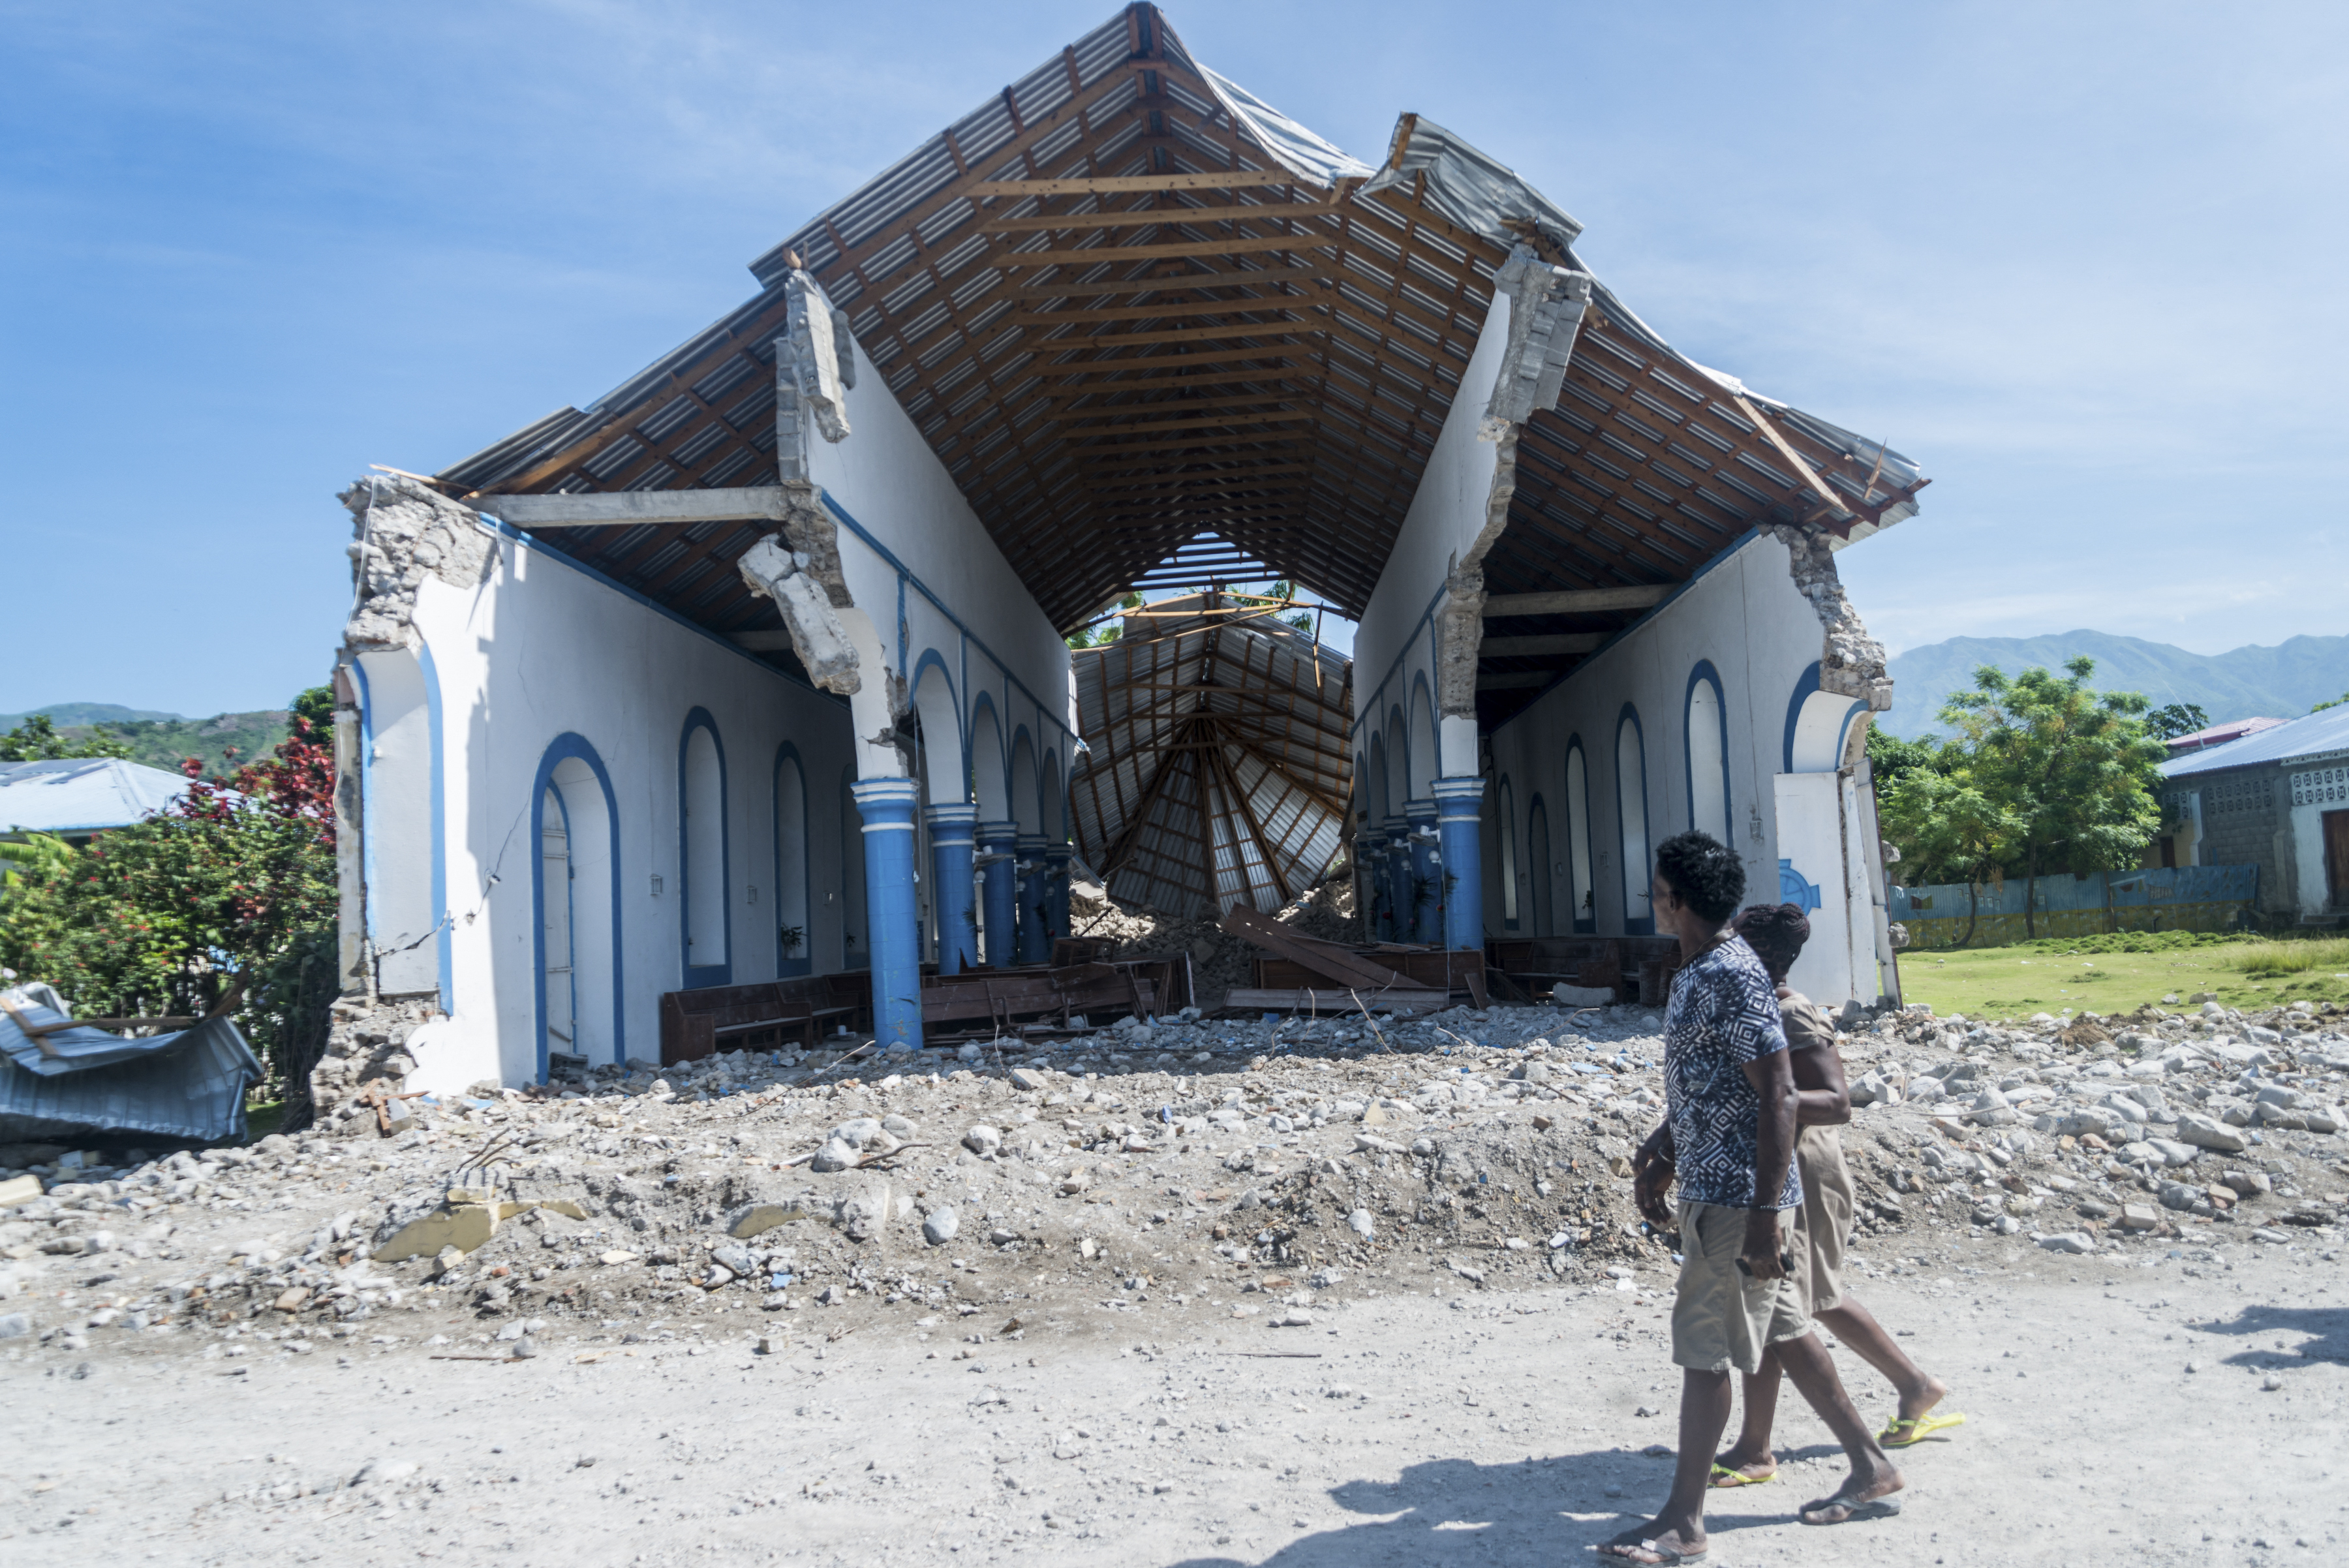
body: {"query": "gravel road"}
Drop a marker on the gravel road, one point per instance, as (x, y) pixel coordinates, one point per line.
(2145, 1408)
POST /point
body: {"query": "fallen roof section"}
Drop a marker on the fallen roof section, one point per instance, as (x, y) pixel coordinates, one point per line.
(1216, 771)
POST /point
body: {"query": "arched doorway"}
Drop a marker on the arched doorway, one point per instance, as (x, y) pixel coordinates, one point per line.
(575, 900)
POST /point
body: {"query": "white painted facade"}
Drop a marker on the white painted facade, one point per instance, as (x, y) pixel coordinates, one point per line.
(573, 800)
(1608, 759)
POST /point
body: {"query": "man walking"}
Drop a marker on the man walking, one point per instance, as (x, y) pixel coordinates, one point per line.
(1728, 1136)
(1776, 934)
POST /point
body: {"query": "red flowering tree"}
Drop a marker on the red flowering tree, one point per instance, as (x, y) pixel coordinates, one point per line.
(233, 884)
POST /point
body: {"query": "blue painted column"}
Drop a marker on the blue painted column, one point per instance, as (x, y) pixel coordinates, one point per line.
(1426, 874)
(1056, 892)
(1398, 879)
(953, 897)
(893, 930)
(1370, 855)
(1459, 805)
(1035, 947)
(1000, 892)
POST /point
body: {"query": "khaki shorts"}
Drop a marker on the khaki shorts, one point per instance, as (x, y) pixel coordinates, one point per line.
(1823, 1222)
(1722, 1318)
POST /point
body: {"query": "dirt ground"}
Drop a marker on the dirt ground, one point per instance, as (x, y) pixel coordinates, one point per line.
(2153, 1410)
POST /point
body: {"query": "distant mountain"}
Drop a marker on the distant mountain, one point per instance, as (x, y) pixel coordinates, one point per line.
(64, 714)
(2280, 683)
(222, 744)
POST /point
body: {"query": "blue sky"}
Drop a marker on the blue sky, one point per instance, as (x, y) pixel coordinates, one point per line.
(2080, 260)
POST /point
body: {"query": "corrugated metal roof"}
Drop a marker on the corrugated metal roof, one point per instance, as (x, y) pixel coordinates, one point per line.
(1322, 325)
(2318, 736)
(82, 795)
(1217, 770)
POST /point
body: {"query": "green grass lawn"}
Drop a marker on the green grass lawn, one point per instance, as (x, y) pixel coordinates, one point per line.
(2118, 973)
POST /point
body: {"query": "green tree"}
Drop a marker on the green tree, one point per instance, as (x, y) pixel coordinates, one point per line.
(2071, 771)
(2321, 707)
(1948, 828)
(36, 740)
(1890, 758)
(2176, 720)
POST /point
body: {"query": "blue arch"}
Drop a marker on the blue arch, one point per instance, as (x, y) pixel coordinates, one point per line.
(1504, 806)
(720, 973)
(1806, 688)
(1577, 807)
(564, 747)
(984, 701)
(932, 658)
(1706, 672)
(1635, 879)
(784, 962)
(1011, 776)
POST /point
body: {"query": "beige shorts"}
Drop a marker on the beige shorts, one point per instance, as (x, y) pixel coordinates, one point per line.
(1721, 1317)
(1824, 1224)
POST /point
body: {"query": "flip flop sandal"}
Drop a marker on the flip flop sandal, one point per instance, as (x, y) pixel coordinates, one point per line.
(1725, 1478)
(1874, 1508)
(1619, 1549)
(1905, 1433)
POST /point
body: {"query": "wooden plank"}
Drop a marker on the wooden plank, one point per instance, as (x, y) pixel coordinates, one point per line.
(1238, 245)
(1172, 308)
(1257, 999)
(1225, 180)
(1537, 647)
(1810, 477)
(1344, 968)
(1578, 601)
(1257, 277)
(1141, 217)
(1237, 329)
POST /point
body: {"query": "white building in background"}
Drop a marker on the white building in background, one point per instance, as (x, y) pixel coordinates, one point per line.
(754, 668)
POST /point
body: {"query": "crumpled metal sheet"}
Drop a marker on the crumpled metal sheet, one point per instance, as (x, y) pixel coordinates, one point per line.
(188, 1085)
(1468, 188)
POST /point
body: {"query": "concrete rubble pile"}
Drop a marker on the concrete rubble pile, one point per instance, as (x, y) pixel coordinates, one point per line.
(1273, 1169)
(1219, 960)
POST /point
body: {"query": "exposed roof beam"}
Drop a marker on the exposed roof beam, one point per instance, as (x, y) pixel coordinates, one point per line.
(605, 508)
(1221, 180)
(1246, 277)
(1141, 217)
(1577, 601)
(1239, 244)
(1540, 647)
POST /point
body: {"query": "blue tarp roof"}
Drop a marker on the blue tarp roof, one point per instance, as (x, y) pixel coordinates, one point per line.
(2317, 736)
(81, 794)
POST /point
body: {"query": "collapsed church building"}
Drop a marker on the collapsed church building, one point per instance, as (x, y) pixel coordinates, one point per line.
(755, 669)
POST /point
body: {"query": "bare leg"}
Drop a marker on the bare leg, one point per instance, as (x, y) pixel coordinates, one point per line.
(1751, 1453)
(1704, 1415)
(1808, 1363)
(1856, 1326)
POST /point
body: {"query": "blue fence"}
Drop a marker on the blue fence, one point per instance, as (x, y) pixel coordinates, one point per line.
(2186, 898)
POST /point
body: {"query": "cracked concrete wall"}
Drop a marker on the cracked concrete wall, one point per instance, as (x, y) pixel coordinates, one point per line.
(1545, 307)
(404, 531)
(1852, 663)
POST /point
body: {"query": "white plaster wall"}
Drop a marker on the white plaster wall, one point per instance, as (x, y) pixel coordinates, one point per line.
(1447, 511)
(542, 648)
(991, 633)
(1744, 617)
(2308, 856)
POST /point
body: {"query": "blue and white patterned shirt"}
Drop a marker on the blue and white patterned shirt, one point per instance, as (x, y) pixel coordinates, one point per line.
(1724, 1014)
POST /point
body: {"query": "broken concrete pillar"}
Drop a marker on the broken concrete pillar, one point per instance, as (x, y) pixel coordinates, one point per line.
(1545, 307)
(771, 567)
(815, 365)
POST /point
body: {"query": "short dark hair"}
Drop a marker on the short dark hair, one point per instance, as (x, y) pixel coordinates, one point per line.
(1776, 934)
(1703, 872)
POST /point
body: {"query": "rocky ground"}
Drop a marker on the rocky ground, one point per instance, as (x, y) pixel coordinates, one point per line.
(1204, 1186)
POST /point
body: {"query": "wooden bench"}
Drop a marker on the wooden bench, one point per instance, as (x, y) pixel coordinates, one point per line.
(695, 1023)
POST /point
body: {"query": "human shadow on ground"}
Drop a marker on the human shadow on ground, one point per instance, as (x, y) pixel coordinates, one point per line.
(1458, 1512)
(2326, 1330)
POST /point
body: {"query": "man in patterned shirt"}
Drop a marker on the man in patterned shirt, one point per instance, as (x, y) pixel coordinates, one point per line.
(1728, 1136)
